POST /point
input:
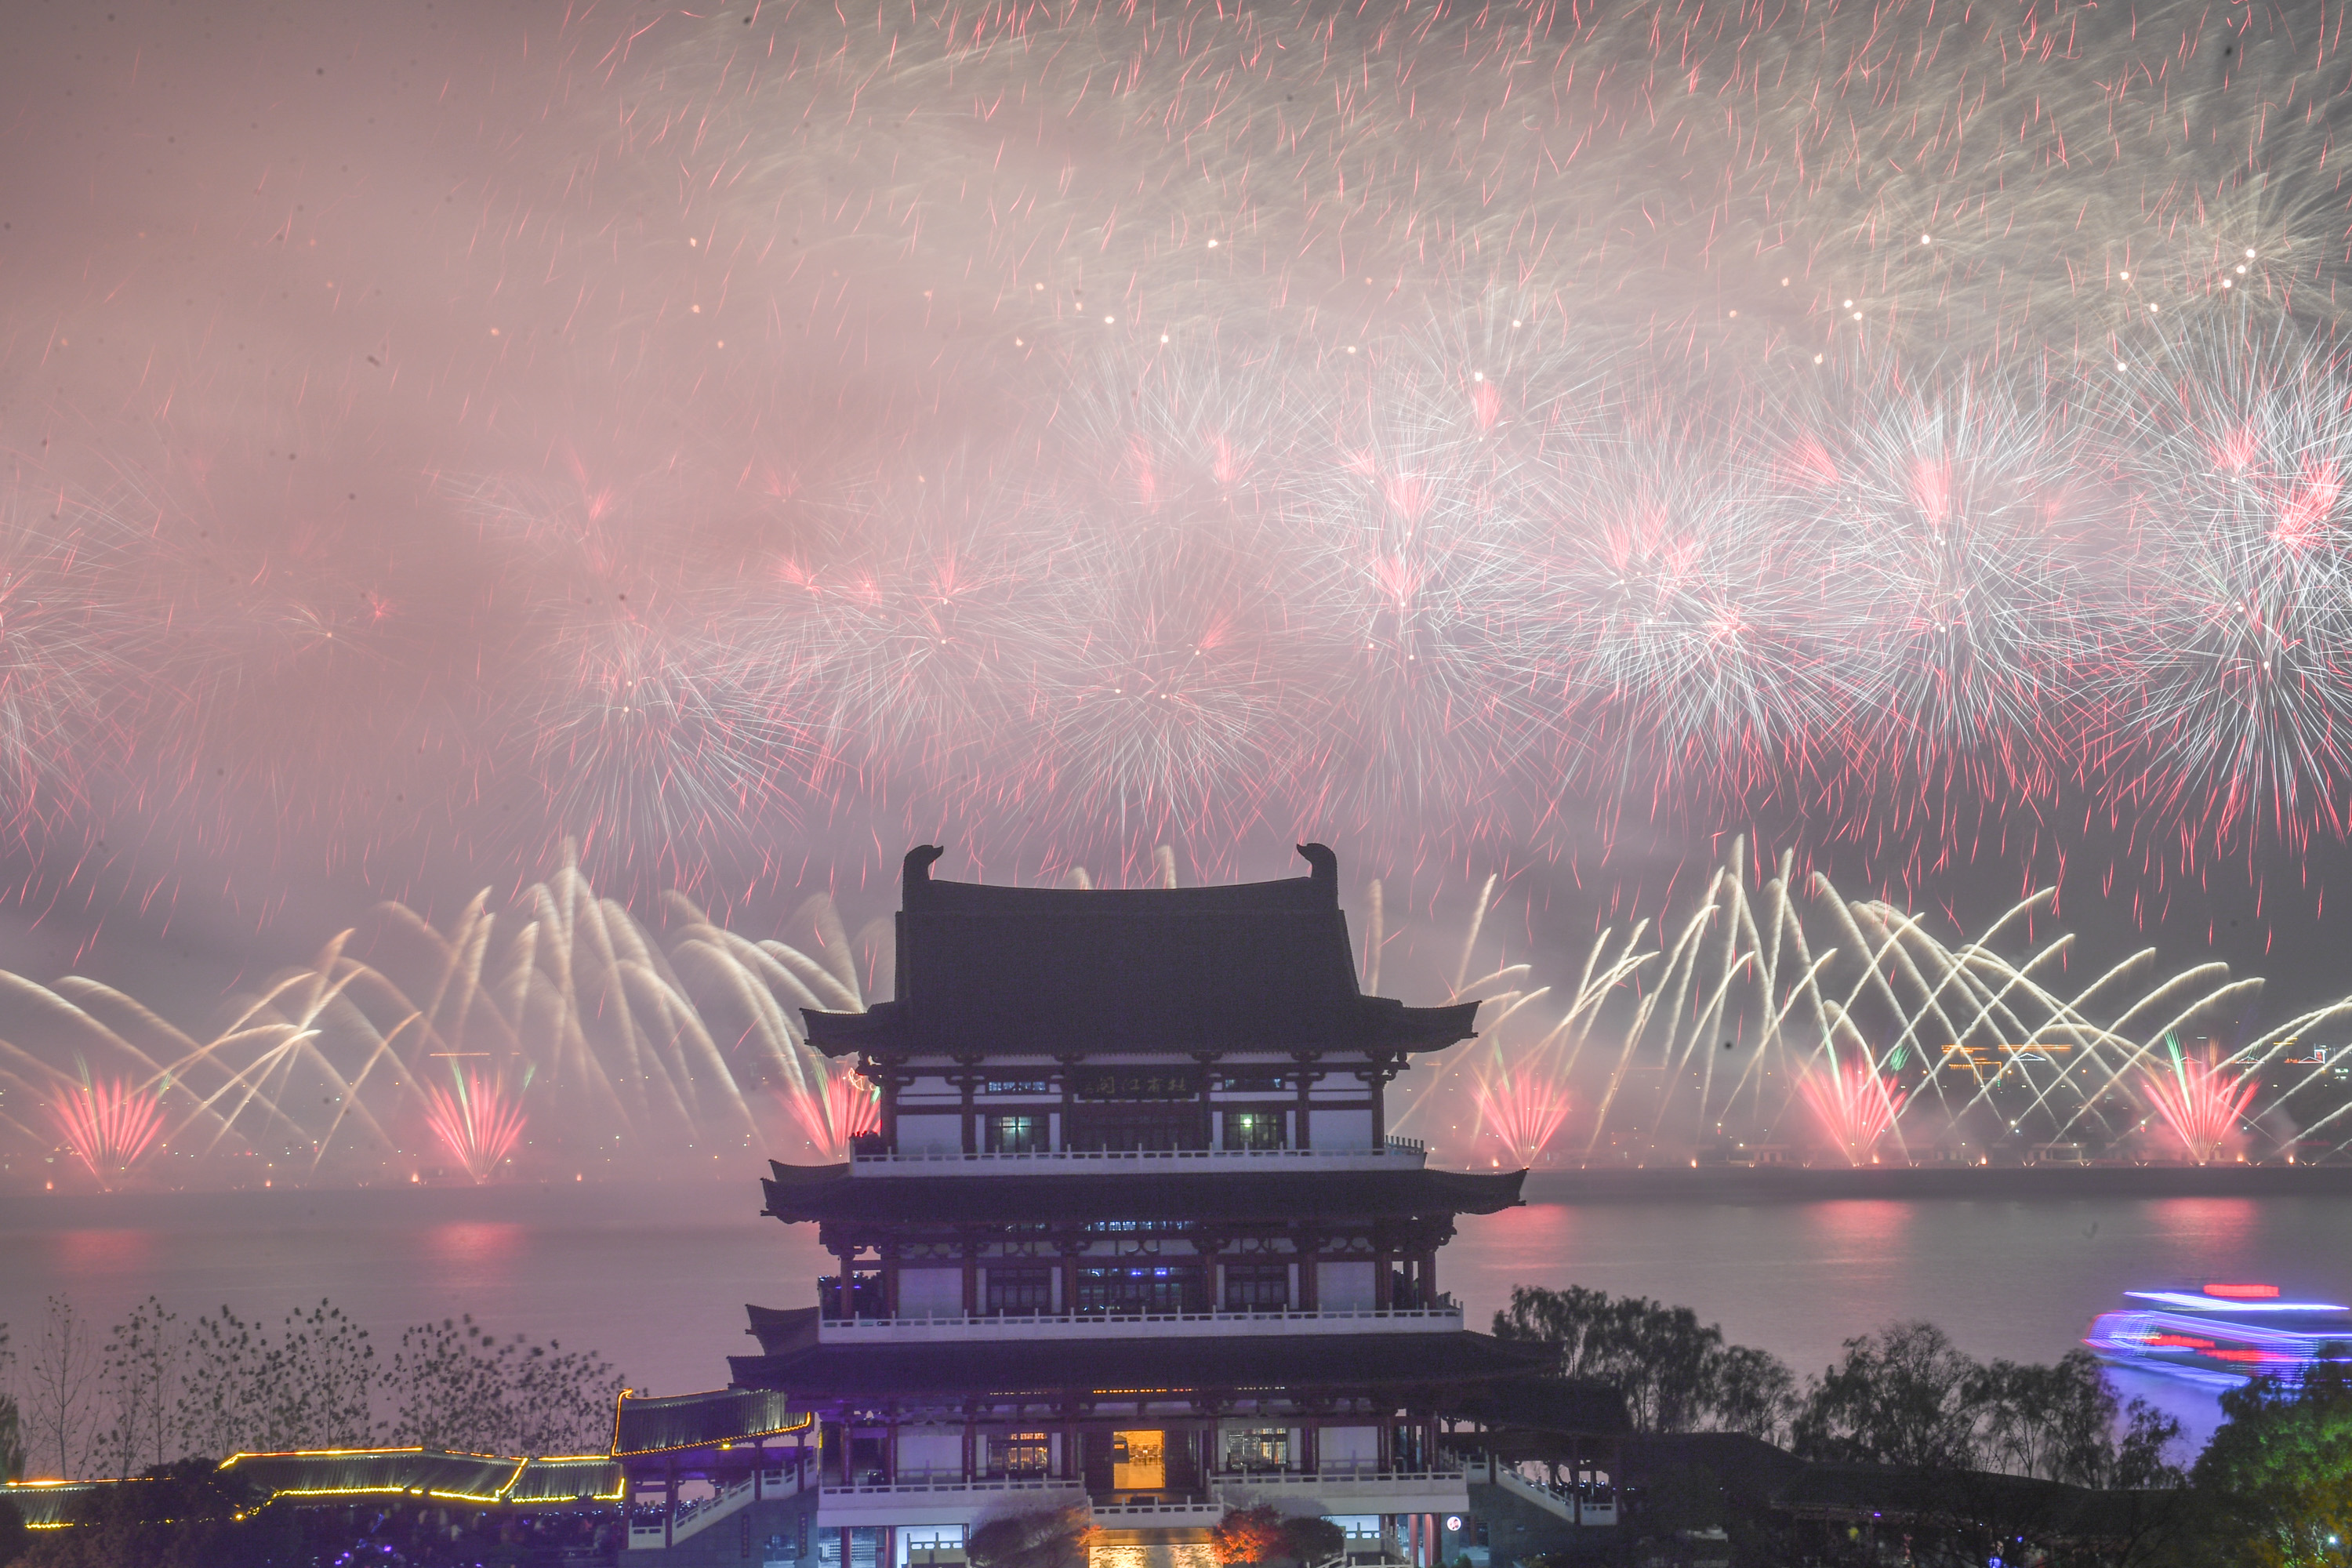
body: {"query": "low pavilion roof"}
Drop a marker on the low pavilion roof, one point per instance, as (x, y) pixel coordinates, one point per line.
(830, 1193)
(1254, 966)
(646, 1424)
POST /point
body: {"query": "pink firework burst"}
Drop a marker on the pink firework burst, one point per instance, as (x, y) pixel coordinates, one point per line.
(478, 1121)
(1854, 1106)
(2200, 1100)
(108, 1125)
(841, 1107)
(1523, 1107)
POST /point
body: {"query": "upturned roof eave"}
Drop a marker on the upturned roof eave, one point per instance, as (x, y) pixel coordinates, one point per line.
(886, 1030)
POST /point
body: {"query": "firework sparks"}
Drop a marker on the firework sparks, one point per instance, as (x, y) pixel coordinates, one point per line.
(1854, 1107)
(477, 1120)
(2200, 1100)
(110, 1125)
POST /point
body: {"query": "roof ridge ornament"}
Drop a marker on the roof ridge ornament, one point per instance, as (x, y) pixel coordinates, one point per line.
(917, 872)
(1324, 867)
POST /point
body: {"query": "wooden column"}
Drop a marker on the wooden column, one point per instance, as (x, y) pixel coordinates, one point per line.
(1069, 1098)
(848, 1255)
(968, 1081)
(1302, 1135)
(972, 1278)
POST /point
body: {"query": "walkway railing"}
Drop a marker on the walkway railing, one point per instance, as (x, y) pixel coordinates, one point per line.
(1392, 1152)
(1139, 1325)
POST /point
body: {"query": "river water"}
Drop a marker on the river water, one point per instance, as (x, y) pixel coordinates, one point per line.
(656, 1278)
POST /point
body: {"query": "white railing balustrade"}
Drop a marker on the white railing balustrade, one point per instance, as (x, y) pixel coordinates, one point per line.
(1393, 1153)
(1331, 1474)
(1137, 1325)
(926, 1485)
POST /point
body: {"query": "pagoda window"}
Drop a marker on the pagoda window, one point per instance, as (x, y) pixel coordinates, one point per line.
(1130, 1128)
(1254, 1129)
(930, 1134)
(1147, 1289)
(1257, 1448)
(1257, 1286)
(1025, 1132)
(1343, 1287)
(1020, 1292)
(1011, 1454)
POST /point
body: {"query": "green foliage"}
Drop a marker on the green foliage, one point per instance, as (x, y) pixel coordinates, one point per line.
(12, 1441)
(1047, 1538)
(182, 1515)
(2274, 1486)
(1310, 1540)
(1677, 1374)
(1898, 1398)
(458, 1386)
(1908, 1397)
(15, 1537)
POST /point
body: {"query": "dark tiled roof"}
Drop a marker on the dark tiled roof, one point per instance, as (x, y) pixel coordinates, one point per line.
(424, 1472)
(781, 1330)
(44, 1505)
(829, 1192)
(650, 1426)
(1447, 1363)
(1254, 966)
(567, 1480)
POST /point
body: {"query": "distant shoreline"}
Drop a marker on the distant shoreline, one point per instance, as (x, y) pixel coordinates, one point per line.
(1721, 1183)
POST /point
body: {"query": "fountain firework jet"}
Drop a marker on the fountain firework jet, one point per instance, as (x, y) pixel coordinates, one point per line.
(108, 1125)
(477, 1120)
(1854, 1106)
(1757, 1016)
(1522, 1110)
(2200, 1101)
(837, 1107)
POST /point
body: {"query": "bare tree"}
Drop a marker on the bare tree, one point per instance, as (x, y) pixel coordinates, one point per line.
(63, 1384)
(144, 1361)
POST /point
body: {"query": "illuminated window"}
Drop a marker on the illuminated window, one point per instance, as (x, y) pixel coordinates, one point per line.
(1021, 1134)
(1019, 1453)
(1254, 1129)
(1259, 1448)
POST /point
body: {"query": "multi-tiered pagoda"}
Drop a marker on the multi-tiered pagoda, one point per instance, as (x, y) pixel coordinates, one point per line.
(1133, 1238)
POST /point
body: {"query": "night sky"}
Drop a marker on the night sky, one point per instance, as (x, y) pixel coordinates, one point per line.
(1488, 439)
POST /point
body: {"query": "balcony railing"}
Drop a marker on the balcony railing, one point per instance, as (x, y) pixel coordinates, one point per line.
(1407, 1152)
(931, 1483)
(1138, 1325)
